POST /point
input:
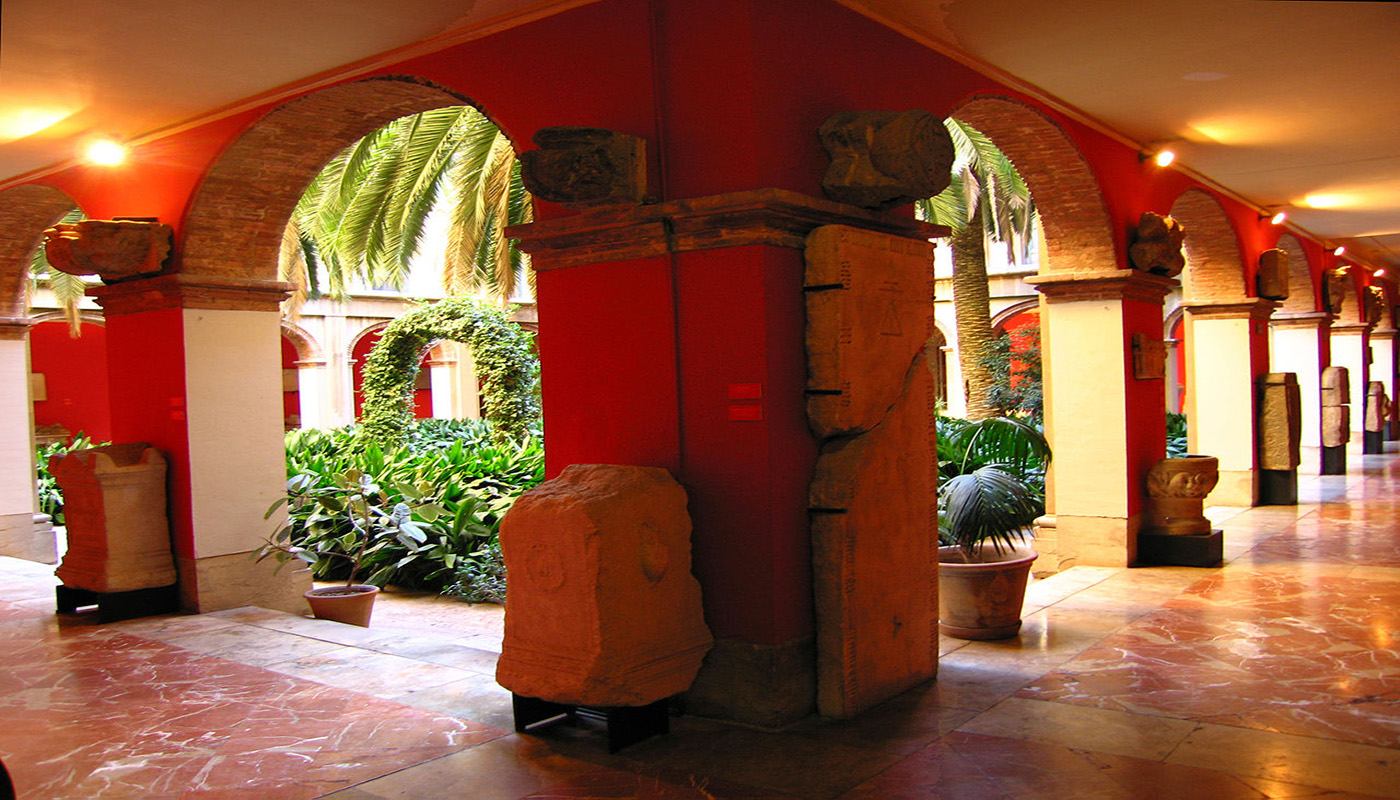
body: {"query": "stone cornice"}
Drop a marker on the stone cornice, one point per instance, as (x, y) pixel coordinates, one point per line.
(14, 328)
(189, 291)
(775, 217)
(1350, 328)
(1127, 284)
(1251, 308)
(1300, 319)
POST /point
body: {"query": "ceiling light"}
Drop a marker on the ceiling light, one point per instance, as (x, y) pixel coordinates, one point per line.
(1324, 200)
(105, 153)
(1380, 273)
(1162, 157)
(1339, 251)
(1278, 218)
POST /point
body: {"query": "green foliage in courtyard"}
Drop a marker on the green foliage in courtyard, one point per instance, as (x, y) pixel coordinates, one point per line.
(50, 497)
(454, 479)
(1176, 435)
(503, 353)
(1017, 386)
(991, 481)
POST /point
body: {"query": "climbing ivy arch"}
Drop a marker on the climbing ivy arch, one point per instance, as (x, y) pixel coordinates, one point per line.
(505, 363)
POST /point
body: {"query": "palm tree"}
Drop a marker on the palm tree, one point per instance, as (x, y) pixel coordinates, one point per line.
(364, 214)
(986, 195)
(68, 290)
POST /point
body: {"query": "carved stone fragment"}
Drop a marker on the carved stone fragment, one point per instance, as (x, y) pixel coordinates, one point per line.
(1280, 421)
(1178, 488)
(1272, 279)
(1375, 305)
(1157, 244)
(1149, 357)
(1336, 386)
(1336, 414)
(881, 159)
(1334, 289)
(1377, 407)
(604, 610)
(113, 250)
(585, 167)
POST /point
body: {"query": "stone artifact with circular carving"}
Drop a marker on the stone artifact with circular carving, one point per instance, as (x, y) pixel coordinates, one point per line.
(1178, 488)
(585, 167)
(1157, 245)
(882, 159)
(113, 250)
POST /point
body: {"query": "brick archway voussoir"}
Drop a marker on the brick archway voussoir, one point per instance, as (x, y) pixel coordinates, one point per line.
(25, 212)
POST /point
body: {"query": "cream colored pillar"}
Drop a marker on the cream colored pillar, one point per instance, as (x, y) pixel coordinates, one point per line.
(1221, 399)
(1295, 345)
(466, 388)
(19, 536)
(1349, 349)
(1096, 492)
(311, 391)
(1383, 359)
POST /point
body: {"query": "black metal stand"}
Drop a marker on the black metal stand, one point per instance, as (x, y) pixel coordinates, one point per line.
(626, 725)
(1278, 487)
(1372, 443)
(1188, 550)
(1334, 460)
(117, 606)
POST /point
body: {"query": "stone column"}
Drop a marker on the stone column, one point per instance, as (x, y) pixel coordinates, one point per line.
(1383, 370)
(20, 536)
(311, 389)
(194, 371)
(1295, 345)
(1221, 368)
(1174, 355)
(1350, 350)
(1095, 411)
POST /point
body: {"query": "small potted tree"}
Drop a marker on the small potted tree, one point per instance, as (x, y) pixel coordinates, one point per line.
(991, 493)
(342, 522)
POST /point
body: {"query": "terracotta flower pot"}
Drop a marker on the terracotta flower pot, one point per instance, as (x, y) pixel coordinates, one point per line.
(982, 599)
(352, 605)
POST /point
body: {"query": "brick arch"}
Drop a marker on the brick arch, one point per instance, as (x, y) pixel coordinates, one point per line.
(1000, 319)
(25, 212)
(1078, 233)
(1214, 269)
(308, 349)
(234, 228)
(1302, 292)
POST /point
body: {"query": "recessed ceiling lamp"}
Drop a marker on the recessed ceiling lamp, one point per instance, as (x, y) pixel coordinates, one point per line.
(105, 153)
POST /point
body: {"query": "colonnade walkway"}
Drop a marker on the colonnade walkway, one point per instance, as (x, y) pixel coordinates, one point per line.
(1277, 675)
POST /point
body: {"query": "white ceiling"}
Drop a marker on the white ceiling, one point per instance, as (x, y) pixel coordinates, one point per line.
(1273, 100)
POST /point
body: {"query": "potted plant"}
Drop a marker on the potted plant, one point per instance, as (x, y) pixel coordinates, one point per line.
(343, 521)
(993, 489)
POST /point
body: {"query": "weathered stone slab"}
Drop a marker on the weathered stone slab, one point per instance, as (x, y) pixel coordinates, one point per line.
(603, 608)
(869, 311)
(1336, 387)
(118, 532)
(1280, 421)
(1336, 426)
(875, 556)
(1272, 279)
(1377, 407)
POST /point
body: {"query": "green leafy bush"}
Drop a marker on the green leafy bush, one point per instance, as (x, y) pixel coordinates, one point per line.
(991, 481)
(1176, 435)
(50, 496)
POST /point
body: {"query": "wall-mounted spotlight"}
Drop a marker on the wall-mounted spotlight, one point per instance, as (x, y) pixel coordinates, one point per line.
(1380, 273)
(105, 152)
(1161, 156)
(1277, 218)
(1339, 251)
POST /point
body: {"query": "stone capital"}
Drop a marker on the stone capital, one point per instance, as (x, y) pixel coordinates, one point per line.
(1350, 328)
(14, 328)
(1117, 285)
(1383, 334)
(775, 217)
(1254, 308)
(309, 363)
(1300, 319)
(189, 291)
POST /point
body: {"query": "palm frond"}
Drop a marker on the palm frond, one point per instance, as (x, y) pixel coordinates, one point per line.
(986, 505)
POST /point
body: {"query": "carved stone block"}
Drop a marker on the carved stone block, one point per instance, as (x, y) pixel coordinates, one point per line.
(1280, 421)
(1149, 357)
(1336, 425)
(118, 532)
(1272, 279)
(869, 311)
(603, 608)
(1377, 407)
(1375, 305)
(1178, 488)
(113, 250)
(875, 555)
(1157, 244)
(585, 167)
(881, 159)
(1334, 289)
(1336, 386)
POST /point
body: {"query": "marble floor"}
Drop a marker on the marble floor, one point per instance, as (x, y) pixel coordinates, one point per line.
(1275, 676)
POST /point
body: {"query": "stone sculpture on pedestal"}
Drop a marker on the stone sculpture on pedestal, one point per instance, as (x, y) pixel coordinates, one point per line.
(1336, 420)
(1374, 425)
(1177, 532)
(1280, 438)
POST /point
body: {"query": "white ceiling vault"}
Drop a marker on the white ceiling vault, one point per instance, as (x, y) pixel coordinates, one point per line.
(1282, 103)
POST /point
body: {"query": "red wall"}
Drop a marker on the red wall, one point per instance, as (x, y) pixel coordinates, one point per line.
(291, 400)
(75, 376)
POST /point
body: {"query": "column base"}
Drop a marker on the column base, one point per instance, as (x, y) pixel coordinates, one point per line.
(1066, 540)
(1278, 487)
(1392, 430)
(117, 606)
(27, 537)
(764, 685)
(234, 581)
(1334, 460)
(1188, 550)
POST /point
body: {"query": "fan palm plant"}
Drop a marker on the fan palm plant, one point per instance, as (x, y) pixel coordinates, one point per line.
(986, 195)
(994, 482)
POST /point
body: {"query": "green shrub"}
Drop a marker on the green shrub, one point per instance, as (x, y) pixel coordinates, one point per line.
(50, 496)
(1176, 435)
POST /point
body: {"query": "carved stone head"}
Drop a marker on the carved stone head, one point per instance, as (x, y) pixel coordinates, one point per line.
(882, 159)
(1334, 289)
(1157, 244)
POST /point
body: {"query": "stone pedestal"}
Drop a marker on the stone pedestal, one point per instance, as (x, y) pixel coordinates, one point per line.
(114, 504)
(604, 611)
(1336, 420)
(1280, 438)
(1377, 417)
(1178, 488)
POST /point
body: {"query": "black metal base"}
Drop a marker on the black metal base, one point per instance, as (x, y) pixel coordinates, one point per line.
(626, 725)
(117, 606)
(1278, 487)
(1190, 550)
(1334, 460)
(1372, 443)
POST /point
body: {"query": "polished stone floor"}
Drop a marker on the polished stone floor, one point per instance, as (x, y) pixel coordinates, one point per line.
(1275, 676)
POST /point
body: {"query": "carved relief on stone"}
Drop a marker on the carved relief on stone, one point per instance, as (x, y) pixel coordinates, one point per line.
(1375, 305)
(113, 250)
(1280, 421)
(1334, 289)
(585, 167)
(1178, 488)
(881, 159)
(1157, 244)
(1336, 386)
(1149, 357)
(1377, 407)
(1336, 414)
(1272, 279)
(604, 608)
